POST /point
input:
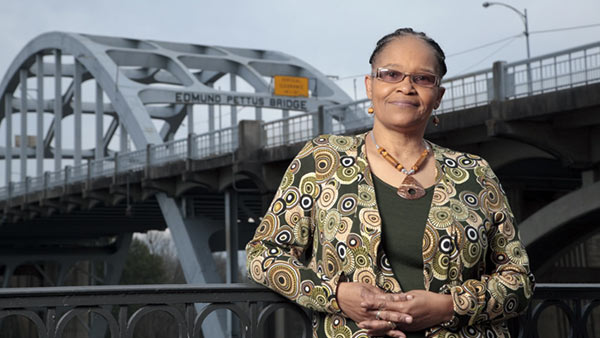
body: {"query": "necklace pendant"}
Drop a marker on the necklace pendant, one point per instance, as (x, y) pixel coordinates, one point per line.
(410, 189)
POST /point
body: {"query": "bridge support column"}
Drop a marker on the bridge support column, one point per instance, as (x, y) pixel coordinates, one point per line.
(231, 245)
(589, 177)
(191, 237)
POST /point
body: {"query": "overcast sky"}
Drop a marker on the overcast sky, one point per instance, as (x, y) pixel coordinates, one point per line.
(336, 37)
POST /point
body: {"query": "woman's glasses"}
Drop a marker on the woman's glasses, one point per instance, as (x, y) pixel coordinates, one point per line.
(394, 76)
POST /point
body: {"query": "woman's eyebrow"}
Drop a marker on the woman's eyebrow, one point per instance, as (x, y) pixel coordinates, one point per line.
(396, 66)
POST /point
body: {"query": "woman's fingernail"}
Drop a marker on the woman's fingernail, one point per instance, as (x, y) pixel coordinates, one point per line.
(409, 297)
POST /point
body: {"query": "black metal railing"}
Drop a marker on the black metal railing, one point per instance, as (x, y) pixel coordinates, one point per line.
(558, 310)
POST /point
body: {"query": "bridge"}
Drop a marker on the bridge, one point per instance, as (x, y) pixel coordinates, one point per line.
(148, 166)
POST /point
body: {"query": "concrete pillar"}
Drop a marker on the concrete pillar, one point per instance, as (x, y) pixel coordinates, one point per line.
(499, 82)
(589, 177)
(191, 236)
(231, 245)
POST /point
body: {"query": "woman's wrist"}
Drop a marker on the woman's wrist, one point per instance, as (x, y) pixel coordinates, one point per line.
(448, 315)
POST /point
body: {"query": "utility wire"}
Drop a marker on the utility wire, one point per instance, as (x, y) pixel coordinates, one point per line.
(483, 46)
(490, 55)
(511, 38)
(565, 28)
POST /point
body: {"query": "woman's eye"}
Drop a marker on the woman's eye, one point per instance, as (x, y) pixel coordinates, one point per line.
(424, 79)
(392, 74)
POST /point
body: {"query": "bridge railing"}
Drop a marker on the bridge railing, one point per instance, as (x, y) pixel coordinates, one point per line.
(50, 310)
(467, 91)
(551, 72)
(557, 310)
(565, 69)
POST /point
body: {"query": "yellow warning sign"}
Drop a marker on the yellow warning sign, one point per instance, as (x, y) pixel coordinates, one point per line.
(291, 86)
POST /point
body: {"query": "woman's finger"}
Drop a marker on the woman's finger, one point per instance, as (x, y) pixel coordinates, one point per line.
(396, 317)
(381, 328)
(377, 325)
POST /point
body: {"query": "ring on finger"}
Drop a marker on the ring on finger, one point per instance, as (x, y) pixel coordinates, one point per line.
(392, 324)
(378, 315)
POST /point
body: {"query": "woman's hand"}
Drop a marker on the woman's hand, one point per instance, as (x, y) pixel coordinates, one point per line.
(426, 309)
(352, 296)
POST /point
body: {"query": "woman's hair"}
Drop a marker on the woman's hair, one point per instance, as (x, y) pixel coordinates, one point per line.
(439, 53)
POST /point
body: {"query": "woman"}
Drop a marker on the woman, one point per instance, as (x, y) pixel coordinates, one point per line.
(385, 233)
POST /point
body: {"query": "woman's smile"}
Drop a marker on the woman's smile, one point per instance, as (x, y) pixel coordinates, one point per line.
(404, 103)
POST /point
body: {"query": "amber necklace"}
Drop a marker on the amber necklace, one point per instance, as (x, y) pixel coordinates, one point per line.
(410, 188)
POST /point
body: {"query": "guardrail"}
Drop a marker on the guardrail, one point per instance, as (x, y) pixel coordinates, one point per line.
(569, 68)
(565, 69)
(557, 310)
(50, 310)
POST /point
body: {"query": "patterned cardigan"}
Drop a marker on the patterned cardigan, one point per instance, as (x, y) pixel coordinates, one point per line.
(323, 227)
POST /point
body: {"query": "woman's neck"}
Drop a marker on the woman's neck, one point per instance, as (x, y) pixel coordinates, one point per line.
(401, 145)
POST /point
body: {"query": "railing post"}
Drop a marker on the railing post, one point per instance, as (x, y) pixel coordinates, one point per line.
(68, 170)
(320, 120)
(10, 189)
(27, 186)
(191, 145)
(148, 159)
(89, 172)
(46, 179)
(116, 171)
(499, 71)
(286, 126)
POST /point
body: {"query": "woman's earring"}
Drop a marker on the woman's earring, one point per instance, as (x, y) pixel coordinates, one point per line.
(435, 119)
(371, 110)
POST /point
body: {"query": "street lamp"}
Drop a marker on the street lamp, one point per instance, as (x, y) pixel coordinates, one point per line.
(523, 16)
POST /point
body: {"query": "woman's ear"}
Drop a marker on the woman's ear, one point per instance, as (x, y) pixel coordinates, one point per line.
(368, 83)
(441, 91)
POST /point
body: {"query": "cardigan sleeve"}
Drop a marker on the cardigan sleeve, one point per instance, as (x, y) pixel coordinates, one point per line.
(280, 256)
(506, 287)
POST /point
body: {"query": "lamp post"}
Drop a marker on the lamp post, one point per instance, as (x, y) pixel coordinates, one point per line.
(523, 16)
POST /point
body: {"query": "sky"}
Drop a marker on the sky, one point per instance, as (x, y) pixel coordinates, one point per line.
(336, 37)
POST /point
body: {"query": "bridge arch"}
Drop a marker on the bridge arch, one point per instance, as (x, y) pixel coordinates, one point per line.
(560, 224)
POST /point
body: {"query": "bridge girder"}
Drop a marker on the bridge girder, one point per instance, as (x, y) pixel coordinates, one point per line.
(144, 80)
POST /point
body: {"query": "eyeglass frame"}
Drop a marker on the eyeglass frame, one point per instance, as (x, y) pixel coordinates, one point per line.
(404, 75)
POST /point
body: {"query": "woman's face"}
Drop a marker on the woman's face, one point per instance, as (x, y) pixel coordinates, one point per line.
(404, 106)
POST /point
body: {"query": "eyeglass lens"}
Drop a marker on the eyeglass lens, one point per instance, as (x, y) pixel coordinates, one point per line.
(394, 76)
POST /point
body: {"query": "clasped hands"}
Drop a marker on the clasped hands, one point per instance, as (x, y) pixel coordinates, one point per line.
(392, 314)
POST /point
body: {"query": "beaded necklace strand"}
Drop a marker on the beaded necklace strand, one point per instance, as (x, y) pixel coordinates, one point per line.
(410, 188)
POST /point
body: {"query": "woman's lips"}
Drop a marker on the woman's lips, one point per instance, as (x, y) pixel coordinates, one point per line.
(404, 103)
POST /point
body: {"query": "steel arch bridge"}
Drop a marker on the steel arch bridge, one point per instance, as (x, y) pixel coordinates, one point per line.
(147, 90)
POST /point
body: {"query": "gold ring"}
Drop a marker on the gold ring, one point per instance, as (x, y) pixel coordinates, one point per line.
(377, 316)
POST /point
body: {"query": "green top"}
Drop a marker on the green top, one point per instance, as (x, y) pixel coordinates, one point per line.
(403, 226)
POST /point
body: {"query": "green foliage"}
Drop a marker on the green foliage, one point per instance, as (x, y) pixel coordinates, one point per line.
(143, 267)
